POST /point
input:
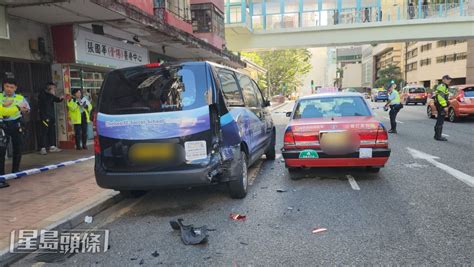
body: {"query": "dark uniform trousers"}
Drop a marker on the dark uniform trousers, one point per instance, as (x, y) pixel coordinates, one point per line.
(439, 120)
(12, 130)
(80, 132)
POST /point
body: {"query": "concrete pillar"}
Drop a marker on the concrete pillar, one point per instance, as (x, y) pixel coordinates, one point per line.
(470, 62)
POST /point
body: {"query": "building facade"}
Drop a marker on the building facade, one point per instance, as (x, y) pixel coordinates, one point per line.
(427, 62)
(86, 39)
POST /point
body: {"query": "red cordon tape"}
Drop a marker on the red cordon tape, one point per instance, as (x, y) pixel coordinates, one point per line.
(237, 217)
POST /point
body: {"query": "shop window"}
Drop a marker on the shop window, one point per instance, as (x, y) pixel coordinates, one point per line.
(207, 18)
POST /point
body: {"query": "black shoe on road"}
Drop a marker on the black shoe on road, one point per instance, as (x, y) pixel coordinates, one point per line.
(4, 184)
(441, 139)
(392, 131)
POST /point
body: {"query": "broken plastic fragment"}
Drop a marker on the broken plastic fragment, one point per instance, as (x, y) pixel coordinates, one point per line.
(237, 217)
(88, 219)
(155, 254)
(190, 235)
(281, 190)
(319, 230)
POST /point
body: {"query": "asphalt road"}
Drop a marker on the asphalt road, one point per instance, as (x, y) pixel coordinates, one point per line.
(412, 212)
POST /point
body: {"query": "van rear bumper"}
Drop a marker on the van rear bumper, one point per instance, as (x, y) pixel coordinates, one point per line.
(152, 180)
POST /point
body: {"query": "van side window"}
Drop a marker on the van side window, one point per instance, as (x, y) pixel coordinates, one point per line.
(258, 93)
(230, 88)
(248, 91)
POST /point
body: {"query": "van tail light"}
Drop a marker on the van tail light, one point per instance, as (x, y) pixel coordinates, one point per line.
(460, 97)
(96, 136)
(153, 65)
(289, 139)
(382, 136)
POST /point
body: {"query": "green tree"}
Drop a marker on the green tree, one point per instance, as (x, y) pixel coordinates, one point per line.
(285, 68)
(388, 74)
(262, 77)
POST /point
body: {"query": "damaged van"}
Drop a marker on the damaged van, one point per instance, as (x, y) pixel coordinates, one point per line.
(180, 125)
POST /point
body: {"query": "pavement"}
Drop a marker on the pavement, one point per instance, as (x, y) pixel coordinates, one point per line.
(417, 211)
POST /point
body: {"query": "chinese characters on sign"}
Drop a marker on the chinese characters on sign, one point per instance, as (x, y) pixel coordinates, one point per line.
(109, 51)
(54, 241)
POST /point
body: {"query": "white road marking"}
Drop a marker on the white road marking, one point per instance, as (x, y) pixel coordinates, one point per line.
(353, 182)
(467, 179)
(278, 156)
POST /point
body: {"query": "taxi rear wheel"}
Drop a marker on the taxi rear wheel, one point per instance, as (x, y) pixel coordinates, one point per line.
(373, 169)
(238, 188)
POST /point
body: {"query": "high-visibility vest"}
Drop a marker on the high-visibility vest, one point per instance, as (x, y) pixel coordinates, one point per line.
(442, 94)
(17, 101)
(74, 110)
(8, 111)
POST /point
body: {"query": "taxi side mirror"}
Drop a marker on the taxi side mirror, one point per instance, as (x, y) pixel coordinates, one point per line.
(288, 114)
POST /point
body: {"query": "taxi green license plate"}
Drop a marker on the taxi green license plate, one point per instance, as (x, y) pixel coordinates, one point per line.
(151, 152)
(335, 140)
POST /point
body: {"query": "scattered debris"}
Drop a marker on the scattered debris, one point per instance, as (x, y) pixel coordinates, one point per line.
(207, 258)
(290, 208)
(243, 243)
(281, 190)
(133, 259)
(190, 235)
(88, 219)
(142, 261)
(237, 217)
(155, 254)
(211, 229)
(319, 230)
(264, 187)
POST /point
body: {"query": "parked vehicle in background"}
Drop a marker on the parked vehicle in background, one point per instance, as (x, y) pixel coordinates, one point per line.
(461, 103)
(334, 130)
(180, 125)
(379, 95)
(413, 94)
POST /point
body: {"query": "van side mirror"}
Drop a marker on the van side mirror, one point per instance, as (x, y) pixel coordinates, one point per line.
(267, 103)
(288, 114)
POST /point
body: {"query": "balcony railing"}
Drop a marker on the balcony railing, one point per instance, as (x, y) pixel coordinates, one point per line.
(300, 13)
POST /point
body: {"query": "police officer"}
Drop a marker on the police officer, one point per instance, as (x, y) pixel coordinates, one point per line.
(13, 124)
(11, 110)
(394, 104)
(79, 109)
(441, 102)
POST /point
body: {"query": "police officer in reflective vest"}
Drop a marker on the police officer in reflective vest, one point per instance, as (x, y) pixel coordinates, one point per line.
(79, 109)
(441, 101)
(11, 110)
(13, 124)
(394, 104)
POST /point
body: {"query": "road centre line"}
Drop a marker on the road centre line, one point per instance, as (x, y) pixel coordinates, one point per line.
(353, 182)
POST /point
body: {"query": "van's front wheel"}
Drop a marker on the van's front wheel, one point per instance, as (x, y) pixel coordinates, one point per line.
(238, 187)
(270, 153)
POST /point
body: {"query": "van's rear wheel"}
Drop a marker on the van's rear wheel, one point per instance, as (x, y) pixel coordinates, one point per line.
(132, 193)
(270, 153)
(238, 187)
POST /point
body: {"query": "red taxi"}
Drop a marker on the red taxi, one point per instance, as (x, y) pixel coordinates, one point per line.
(334, 130)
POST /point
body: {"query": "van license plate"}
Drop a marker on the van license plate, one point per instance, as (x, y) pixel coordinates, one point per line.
(151, 152)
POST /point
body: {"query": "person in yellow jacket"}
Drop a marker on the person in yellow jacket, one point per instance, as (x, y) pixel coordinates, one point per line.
(79, 109)
(441, 100)
(12, 107)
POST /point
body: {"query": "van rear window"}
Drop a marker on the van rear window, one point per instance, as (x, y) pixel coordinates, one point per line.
(417, 90)
(148, 90)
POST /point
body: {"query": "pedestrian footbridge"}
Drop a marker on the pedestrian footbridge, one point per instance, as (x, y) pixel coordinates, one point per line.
(266, 24)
